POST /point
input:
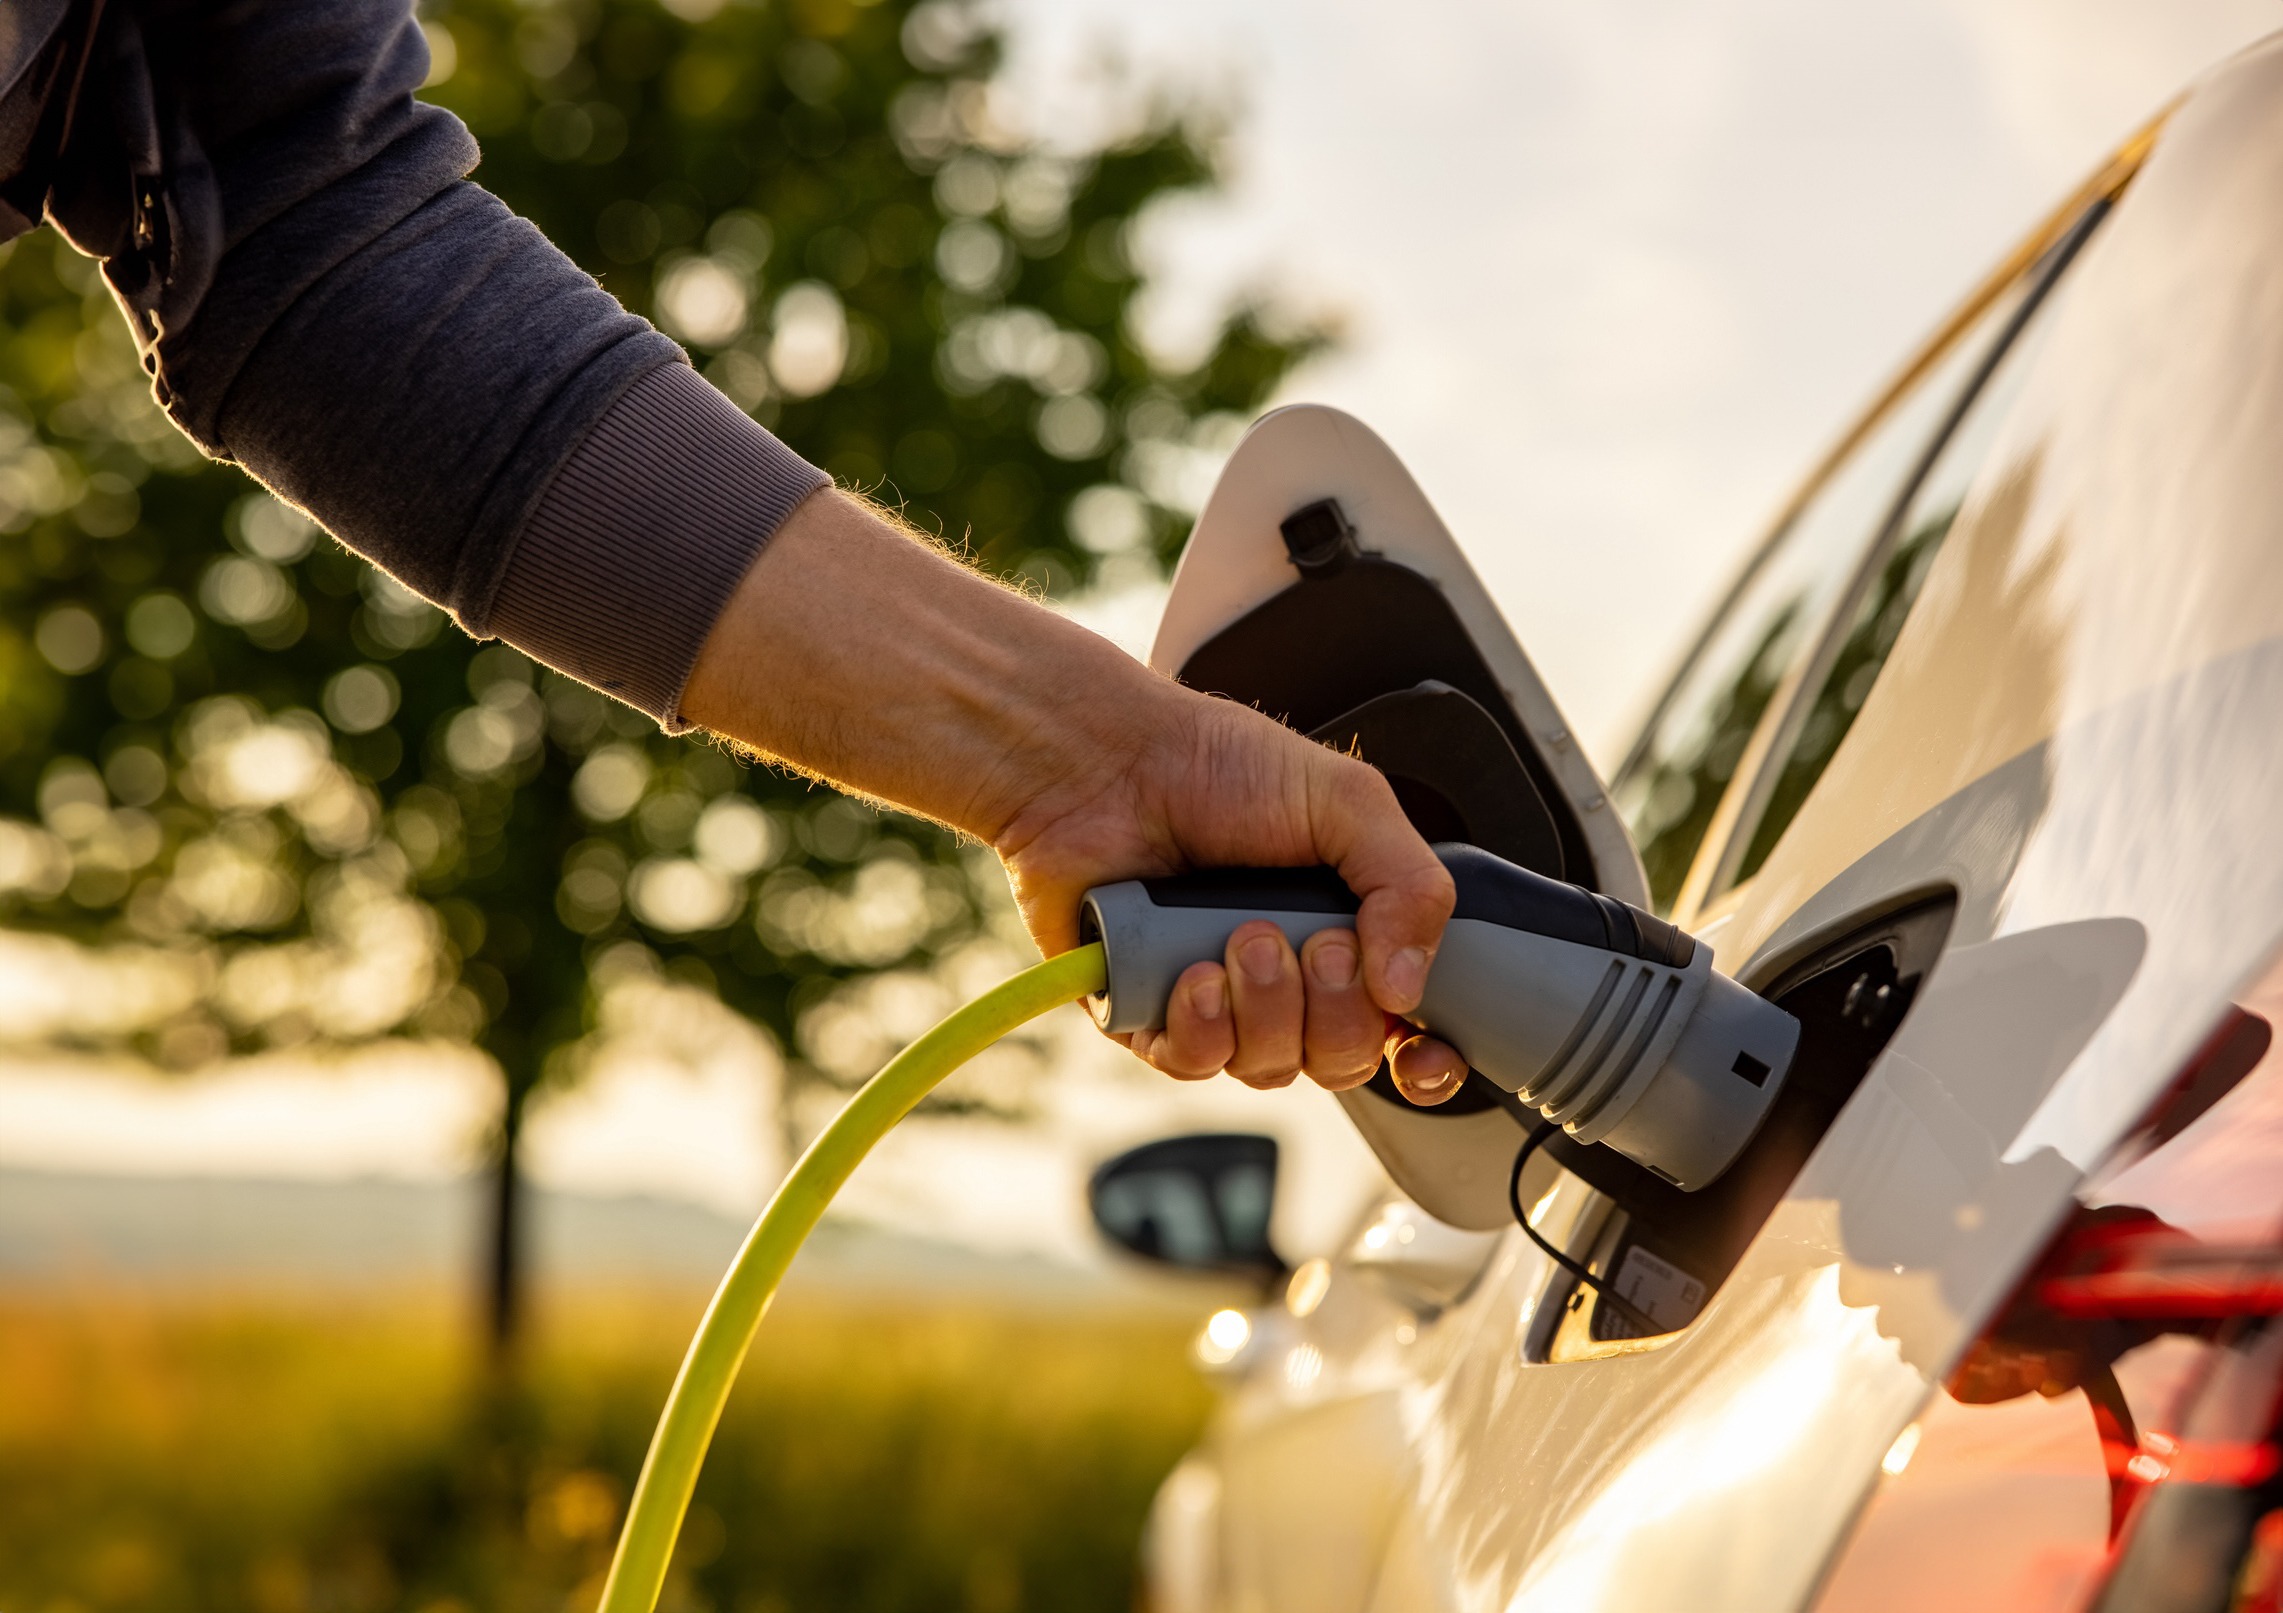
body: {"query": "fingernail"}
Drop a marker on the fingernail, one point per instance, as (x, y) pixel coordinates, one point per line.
(1263, 960)
(1208, 997)
(1333, 964)
(1432, 1081)
(1407, 976)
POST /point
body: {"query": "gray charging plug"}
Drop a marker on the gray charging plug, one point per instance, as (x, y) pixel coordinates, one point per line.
(1607, 1020)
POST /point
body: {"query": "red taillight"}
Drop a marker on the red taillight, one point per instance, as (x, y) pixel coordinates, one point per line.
(2157, 1287)
(2157, 1279)
(2123, 1264)
(2118, 1276)
(2240, 1462)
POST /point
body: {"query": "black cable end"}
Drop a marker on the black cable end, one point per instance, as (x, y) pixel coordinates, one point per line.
(1574, 1267)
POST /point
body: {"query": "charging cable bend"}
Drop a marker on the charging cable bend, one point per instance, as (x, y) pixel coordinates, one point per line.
(1569, 1263)
(693, 1409)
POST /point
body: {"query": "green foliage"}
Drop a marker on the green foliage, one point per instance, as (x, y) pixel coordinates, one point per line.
(305, 807)
(1672, 792)
(776, 175)
(1878, 622)
(263, 1460)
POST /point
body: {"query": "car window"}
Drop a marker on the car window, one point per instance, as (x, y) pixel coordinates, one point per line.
(1886, 592)
(1669, 787)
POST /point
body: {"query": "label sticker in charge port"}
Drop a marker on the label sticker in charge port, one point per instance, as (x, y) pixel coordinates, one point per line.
(1658, 1288)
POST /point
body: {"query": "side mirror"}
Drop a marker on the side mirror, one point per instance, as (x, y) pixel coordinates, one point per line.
(1197, 1203)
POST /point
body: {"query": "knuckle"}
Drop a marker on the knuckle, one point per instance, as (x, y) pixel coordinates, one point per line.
(1351, 1052)
(1344, 1038)
(1434, 886)
(1189, 1056)
(1187, 1068)
(1363, 786)
(1337, 1070)
(1252, 1071)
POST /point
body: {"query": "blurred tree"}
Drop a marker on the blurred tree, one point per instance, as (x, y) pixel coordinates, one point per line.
(288, 804)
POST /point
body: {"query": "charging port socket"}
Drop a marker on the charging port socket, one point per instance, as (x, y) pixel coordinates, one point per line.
(1668, 1252)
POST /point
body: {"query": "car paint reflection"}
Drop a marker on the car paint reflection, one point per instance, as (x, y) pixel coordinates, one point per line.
(2097, 649)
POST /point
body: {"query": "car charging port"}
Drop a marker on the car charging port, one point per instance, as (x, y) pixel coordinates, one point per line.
(1667, 1252)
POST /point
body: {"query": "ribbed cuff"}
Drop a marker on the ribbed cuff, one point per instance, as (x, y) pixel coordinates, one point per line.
(642, 537)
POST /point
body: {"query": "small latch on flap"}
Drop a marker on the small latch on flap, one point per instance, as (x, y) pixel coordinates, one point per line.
(1318, 538)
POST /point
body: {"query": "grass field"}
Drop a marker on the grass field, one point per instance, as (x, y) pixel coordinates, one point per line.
(337, 1457)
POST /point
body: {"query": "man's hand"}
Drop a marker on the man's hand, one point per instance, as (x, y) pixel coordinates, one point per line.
(1211, 784)
(864, 655)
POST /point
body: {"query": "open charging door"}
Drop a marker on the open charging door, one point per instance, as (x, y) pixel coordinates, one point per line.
(1320, 586)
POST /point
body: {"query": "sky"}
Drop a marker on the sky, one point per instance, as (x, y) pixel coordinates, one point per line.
(1612, 274)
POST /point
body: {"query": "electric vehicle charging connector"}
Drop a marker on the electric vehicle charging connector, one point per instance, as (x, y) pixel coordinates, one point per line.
(1607, 1020)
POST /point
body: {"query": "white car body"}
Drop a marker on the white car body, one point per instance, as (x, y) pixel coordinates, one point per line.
(2073, 749)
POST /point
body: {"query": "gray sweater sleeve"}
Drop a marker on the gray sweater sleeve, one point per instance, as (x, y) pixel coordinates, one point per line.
(321, 295)
(642, 537)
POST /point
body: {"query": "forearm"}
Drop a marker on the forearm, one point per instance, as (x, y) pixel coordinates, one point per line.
(865, 655)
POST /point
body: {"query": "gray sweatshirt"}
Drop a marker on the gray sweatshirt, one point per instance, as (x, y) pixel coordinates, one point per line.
(320, 295)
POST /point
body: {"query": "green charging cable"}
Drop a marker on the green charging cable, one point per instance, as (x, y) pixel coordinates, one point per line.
(678, 1448)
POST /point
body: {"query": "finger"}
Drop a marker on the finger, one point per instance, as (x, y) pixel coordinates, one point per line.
(1407, 893)
(1343, 1030)
(1265, 999)
(1198, 1039)
(1427, 1071)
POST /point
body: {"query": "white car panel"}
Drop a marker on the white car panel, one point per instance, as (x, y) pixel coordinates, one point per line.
(2078, 732)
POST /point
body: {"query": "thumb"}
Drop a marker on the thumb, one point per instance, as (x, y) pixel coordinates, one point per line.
(1407, 893)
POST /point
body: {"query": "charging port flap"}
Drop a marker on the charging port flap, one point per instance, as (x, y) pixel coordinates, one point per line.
(1321, 587)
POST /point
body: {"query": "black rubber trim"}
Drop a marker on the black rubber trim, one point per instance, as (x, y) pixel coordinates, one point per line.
(1489, 888)
(1454, 771)
(1329, 643)
(1496, 892)
(1267, 890)
(1624, 934)
(1658, 941)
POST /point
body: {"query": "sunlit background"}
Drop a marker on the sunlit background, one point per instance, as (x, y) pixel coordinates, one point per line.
(1607, 277)
(1613, 275)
